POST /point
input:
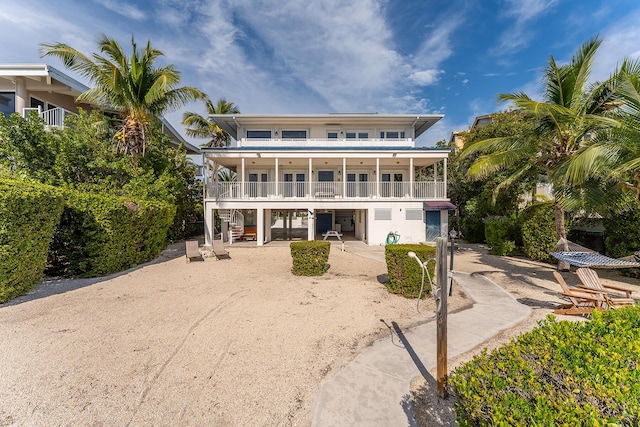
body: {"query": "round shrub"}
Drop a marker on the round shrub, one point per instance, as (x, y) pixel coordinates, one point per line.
(539, 236)
(501, 235)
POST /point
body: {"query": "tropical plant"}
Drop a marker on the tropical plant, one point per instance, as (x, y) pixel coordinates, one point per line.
(134, 88)
(569, 114)
(204, 127)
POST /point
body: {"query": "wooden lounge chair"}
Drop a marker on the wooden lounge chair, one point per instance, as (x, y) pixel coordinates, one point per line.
(590, 280)
(218, 250)
(192, 250)
(582, 301)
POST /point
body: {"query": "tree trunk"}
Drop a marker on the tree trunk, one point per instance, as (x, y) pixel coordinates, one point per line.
(563, 244)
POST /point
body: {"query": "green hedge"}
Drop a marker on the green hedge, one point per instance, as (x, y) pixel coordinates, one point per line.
(100, 234)
(404, 273)
(539, 236)
(500, 234)
(310, 257)
(28, 215)
(561, 373)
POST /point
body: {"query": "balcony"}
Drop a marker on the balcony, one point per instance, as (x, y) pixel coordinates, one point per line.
(53, 117)
(324, 142)
(323, 191)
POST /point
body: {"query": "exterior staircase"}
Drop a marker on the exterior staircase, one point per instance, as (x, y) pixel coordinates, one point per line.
(235, 219)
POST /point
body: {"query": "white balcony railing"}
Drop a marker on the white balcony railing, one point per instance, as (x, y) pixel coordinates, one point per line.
(52, 117)
(326, 190)
(324, 142)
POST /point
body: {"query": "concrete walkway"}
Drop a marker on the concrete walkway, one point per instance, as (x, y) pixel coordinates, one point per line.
(373, 390)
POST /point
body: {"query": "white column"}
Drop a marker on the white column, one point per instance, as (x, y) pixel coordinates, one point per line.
(445, 177)
(277, 192)
(344, 176)
(412, 174)
(208, 224)
(310, 177)
(311, 230)
(378, 177)
(267, 229)
(242, 179)
(260, 227)
(21, 94)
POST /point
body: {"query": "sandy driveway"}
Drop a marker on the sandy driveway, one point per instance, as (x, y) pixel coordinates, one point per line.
(235, 342)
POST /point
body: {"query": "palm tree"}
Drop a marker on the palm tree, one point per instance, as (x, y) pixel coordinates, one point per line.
(133, 88)
(204, 127)
(570, 113)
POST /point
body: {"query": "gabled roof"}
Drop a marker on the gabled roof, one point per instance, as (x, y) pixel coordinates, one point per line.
(230, 122)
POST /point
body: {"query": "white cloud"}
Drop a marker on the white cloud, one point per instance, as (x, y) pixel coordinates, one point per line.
(518, 35)
(426, 77)
(621, 39)
(122, 8)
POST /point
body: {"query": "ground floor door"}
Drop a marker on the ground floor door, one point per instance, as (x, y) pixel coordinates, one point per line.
(433, 225)
(324, 222)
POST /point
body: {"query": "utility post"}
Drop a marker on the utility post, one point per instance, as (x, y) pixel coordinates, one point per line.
(441, 312)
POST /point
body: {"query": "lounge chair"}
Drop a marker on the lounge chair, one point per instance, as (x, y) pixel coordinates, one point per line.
(192, 250)
(590, 280)
(582, 301)
(218, 250)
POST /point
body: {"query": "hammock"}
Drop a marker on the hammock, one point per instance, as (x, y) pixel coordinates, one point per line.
(592, 259)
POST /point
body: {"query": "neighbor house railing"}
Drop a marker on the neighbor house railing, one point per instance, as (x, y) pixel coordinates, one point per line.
(52, 117)
(323, 190)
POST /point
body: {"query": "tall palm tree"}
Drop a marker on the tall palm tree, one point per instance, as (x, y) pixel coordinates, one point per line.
(134, 87)
(570, 112)
(204, 127)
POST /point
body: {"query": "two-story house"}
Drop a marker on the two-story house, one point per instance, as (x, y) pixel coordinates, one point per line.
(53, 94)
(299, 176)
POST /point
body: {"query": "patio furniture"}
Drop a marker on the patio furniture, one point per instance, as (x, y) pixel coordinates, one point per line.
(192, 250)
(332, 233)
(218, 250)
(590, 280)
(582, 301)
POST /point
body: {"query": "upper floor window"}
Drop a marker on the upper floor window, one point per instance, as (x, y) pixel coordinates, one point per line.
(392, 134)
(7, 103)
(294, 134)
(259, 134)
(332, 135)
(357, 135)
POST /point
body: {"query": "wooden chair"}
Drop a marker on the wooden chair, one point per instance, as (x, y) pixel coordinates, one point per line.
(192, 250)
(583, 301)
(219, 251)
(590, 280)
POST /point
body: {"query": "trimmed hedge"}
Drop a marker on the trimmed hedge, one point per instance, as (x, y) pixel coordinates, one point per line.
(539, 236)
(100, 234)
(561, 373)
(404, 273)
(28, 215)
(310, 257)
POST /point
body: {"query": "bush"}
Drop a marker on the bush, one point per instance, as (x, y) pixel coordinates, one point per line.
(501, 235)
(405, 275)
(28, 215)
(561, 373)
(539, 236)
(310, 257)
(100, 234)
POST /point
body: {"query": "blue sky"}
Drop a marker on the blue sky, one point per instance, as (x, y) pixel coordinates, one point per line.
(321, 56)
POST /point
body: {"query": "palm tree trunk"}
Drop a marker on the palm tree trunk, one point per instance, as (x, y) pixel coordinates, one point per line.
(563, 244)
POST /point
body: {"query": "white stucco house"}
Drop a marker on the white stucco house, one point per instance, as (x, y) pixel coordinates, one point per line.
(299, 176)
(41, 87)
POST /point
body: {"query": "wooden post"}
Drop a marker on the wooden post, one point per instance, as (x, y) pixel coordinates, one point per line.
(441, 312)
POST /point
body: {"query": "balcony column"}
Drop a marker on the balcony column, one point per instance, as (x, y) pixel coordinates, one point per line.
(435, 179)
(445, 177)
(378, 177)
(242, 179)
(21, 94)
(276, 191)
(208, 224)
(344, 177)
(412, 174)
(311, 225)
(309, 190)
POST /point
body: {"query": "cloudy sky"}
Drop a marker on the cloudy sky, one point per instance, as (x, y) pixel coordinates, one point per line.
(321, 56)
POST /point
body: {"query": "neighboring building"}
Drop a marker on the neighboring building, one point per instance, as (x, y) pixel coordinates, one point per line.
(299, 176)
(41, 87)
